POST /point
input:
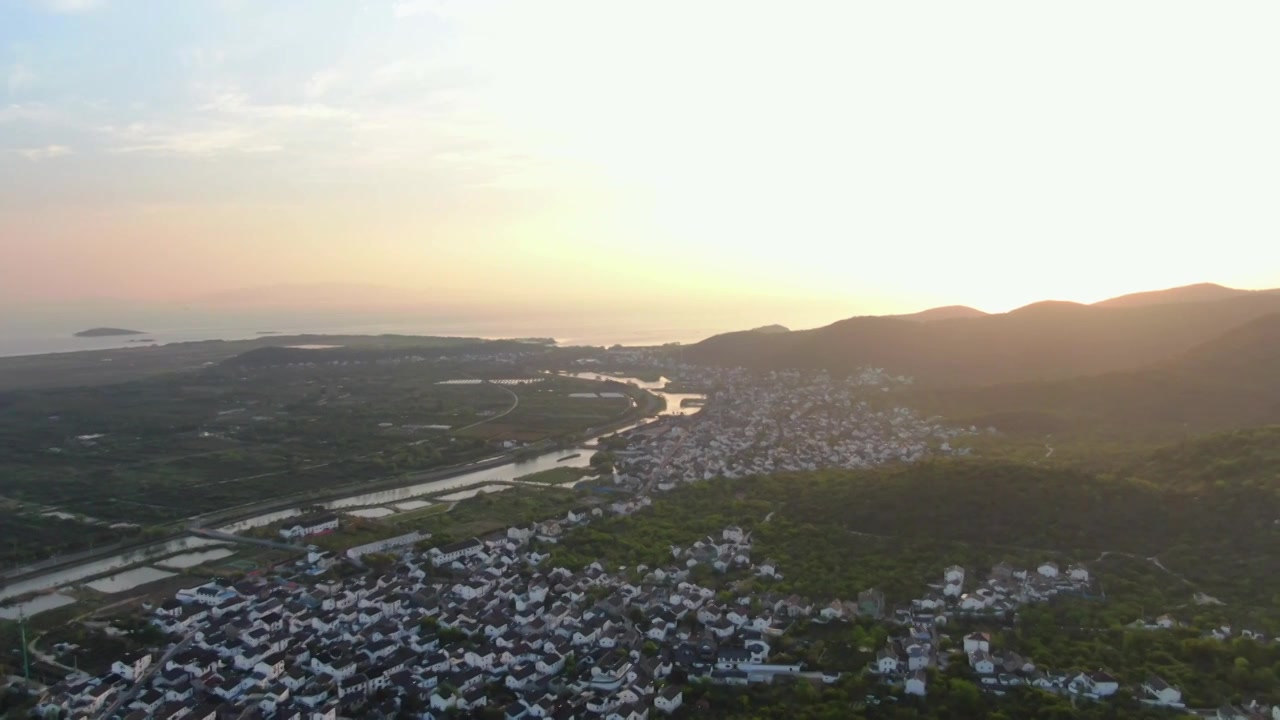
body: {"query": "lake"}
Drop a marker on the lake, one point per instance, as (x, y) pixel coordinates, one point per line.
(129, 579)
(376, 512)
(188, 560)
(75, 573)
(468, 494)
(35, 606)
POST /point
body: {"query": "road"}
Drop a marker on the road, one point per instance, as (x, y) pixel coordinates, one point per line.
(141, 682)
(515, 403)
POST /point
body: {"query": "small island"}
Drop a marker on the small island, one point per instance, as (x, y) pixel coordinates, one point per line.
(107, 332)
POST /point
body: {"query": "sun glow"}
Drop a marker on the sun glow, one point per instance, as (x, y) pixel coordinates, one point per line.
(876, 158)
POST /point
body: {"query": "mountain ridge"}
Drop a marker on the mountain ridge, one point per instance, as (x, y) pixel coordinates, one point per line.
(1199, 292)
(1041, 341)
(1226, 383)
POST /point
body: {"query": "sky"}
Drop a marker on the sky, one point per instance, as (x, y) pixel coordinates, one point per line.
(806, 161)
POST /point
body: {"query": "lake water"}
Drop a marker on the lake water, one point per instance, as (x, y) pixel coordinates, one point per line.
(35, 606)
(468, 494)
(376, 512)
(60, 337)
(129, 579)
(188, 560)
(414, 505)
(674, 400)
(75, 573)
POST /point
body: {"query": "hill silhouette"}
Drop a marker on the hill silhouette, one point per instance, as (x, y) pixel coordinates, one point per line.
(107, 332)
(1232, 381)
(949, 312)
(1042, 341)
(1199, 292)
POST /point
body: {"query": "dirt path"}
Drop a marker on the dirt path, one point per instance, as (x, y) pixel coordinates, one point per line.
(1153, 560)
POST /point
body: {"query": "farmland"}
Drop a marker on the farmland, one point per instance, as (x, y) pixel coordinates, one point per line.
(268, 423)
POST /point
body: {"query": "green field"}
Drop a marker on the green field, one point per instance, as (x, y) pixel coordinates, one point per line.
(273, 422)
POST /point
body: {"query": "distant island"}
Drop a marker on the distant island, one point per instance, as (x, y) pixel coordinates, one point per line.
(107, 332)
(268, 332)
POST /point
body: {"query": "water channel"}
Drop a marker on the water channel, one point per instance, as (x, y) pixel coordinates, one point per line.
(501, 473)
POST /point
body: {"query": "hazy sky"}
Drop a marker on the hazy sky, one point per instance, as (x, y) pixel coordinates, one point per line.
(869, 157)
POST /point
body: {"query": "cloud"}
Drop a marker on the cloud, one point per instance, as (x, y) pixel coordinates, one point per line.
(320, 83)
(48, 152)
(237, 103)
(20, 78)
(410, 8)
(71, 7)
(193, 143)
(440, 8)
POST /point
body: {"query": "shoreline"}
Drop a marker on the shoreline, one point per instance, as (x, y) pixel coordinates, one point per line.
(70, 344)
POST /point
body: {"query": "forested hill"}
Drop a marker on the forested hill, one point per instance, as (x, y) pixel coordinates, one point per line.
(1164, 504)
(1230, 382)
(1044, 341)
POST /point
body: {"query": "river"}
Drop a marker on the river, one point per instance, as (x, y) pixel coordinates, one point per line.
(502, 473)
(507, 472)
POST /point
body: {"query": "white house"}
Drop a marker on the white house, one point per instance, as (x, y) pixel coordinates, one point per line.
(1048, 569)
(448, 553)
(916, 683)
(1078, 573)
(1161, 691)
(314, 526)
(385, 545)
(734, 534)
(977, 641)
(1096, 683)
(132, 666)
(670, 699)
(887, 661)
(954, 575)
(981, 662)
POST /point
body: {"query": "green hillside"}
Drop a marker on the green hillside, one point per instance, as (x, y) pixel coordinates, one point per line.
(1205, 513)
(1230, 382)
(1040, 342)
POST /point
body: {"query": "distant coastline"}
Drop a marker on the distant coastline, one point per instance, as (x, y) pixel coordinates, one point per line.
(56, 341)
(107, 332)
